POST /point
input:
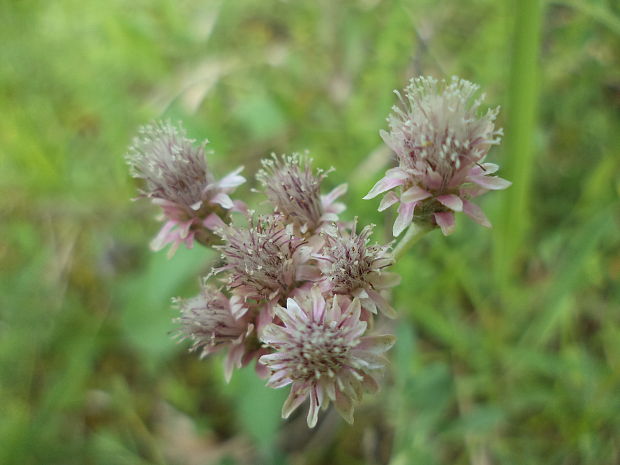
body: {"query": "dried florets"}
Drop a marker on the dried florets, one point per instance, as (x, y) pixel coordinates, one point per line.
(207, 321)
(295, 191)
(321, 351)
(264, 261)
(177, 179)
(440, 141)
(351, 266)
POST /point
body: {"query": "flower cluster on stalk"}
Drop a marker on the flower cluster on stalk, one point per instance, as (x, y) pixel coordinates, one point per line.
(440, 141)
(208, 321)
(297, 289)
(321, 351)
(174, 169)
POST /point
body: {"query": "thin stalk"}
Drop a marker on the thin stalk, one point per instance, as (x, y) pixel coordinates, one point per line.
(412, 236)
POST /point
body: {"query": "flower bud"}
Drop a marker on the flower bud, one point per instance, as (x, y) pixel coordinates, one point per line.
(351, 266)
(207, 320)
(295, 191)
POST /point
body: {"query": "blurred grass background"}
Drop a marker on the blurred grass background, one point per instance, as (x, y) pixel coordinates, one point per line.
(509, 339)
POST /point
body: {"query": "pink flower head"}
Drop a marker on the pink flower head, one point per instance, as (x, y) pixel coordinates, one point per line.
(176, 178)
(264, 261)
(352, 267)
(295, 191)
(207, 320)
(321, 352)
(441, 142)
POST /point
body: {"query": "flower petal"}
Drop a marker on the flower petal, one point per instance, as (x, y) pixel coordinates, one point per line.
(405, 216)
(232, 361)
(163, 236)
(213, 222)
(385, 184)
(445, 220)
(490, 182)
(232, 180)
(382, 303)
(330, 217)
(384, 280)
(387, 201)
(279, 379)
(173, 248)
(318, 305)
(307, 273)
(224, 200)
(344, 406)
(296, 397)
(265, 317)
(238, 306)
(334, 194)
(295, 310)
(261, 370)
(475, 212)
(315, 403)
(453, 202)
(377, 344)
(184, 228)
(490, 168)
(414, 194)
(240, 206)
(370, 384)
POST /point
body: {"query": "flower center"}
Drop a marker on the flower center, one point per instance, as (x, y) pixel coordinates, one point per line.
(321, 350)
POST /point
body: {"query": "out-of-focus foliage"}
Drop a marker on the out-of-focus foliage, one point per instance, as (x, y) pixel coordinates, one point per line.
(509, 339)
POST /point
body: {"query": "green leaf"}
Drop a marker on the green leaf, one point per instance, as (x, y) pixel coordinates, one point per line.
(146, 310)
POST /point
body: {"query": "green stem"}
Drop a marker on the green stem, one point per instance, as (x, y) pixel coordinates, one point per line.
(515, 218)
(412, 236)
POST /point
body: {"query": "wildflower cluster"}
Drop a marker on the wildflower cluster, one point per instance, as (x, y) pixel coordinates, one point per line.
(298, 289)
